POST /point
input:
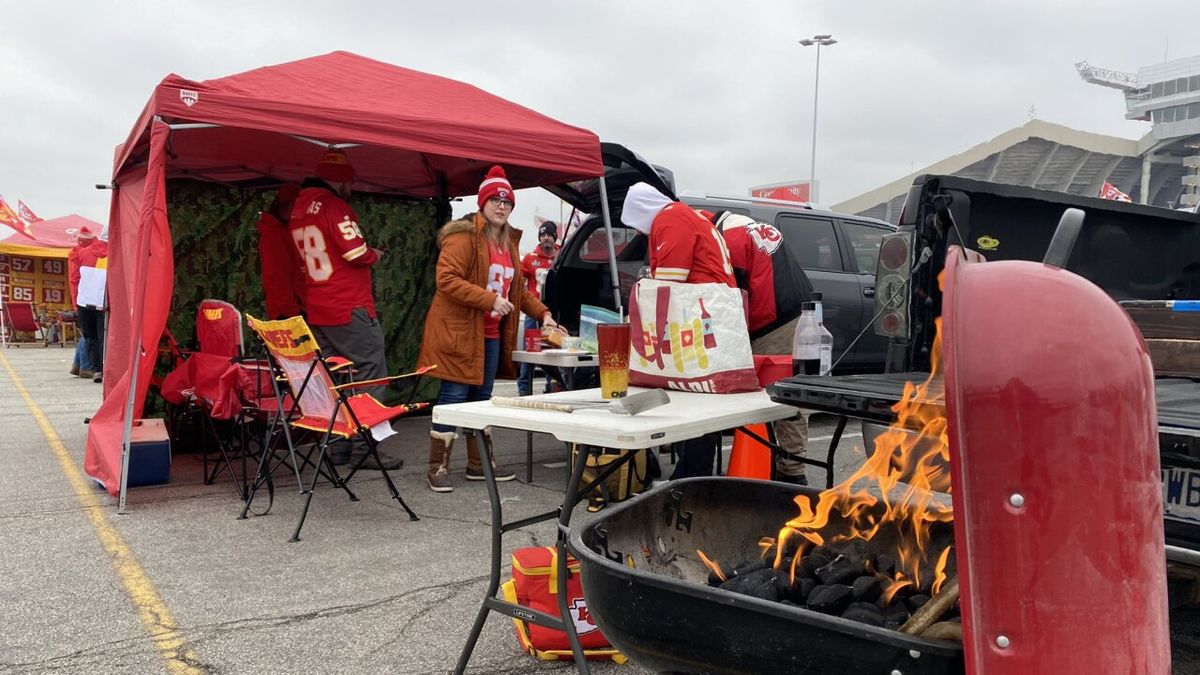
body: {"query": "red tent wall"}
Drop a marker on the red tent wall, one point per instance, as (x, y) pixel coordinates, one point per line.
(142, 279)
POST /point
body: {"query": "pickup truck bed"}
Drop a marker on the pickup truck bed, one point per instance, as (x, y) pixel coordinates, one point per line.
(870, 397)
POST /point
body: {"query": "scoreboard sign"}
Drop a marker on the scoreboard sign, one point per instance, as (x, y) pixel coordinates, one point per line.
(41, 281)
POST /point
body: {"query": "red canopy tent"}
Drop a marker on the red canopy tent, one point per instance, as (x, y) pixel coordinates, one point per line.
(406, 132)
(51, 238)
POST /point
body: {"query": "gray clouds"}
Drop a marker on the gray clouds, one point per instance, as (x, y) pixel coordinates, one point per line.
(720, 92)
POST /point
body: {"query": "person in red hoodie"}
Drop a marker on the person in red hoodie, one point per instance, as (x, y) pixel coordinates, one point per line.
(281, 267)
(88, 252)
(534, 267)
(81, 364)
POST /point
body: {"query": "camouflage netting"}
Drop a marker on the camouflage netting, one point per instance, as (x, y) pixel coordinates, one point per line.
(216, 256)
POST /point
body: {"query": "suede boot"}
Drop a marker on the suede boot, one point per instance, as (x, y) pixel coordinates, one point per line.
(475, 459)
(438, 476)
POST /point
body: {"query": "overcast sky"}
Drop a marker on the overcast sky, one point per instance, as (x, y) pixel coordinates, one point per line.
(720, 92)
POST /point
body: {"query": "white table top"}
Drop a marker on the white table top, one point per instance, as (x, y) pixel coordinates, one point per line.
(687, 416)
(558, 358)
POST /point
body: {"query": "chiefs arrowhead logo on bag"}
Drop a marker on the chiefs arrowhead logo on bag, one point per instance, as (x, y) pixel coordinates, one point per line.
(582, 618)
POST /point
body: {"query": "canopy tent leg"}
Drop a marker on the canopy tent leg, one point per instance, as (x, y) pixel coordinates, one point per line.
(612, 251)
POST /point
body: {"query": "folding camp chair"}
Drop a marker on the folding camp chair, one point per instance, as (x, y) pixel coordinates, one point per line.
(317, 404)
(208, 382)
(19, 317)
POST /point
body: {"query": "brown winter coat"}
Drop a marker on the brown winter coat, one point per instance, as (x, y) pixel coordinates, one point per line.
(453, 338)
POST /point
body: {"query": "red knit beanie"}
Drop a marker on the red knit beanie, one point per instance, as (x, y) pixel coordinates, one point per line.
(85, 234)
(495, 184)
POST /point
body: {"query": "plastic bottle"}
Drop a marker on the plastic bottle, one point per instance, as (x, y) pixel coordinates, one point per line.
(812, 346)
(816, 297)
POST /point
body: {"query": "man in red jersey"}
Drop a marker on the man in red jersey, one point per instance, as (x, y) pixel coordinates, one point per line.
(339, 301)
(684, 247)
(534, 267)
(282, 269)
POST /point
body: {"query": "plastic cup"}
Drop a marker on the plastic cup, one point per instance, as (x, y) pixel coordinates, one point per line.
(533, 339)
(613, 346)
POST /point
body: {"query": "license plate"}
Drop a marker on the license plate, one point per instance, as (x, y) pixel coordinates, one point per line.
(1181, 494)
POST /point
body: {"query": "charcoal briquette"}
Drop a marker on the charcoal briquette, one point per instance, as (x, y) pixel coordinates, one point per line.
(841, 570)
(746, 583)
(748, 567)
(864, 612)
(829, 599)
(895, 615)
(915, 602)
(764, 590)
(867, 588)
(885, 563)
(802, 588)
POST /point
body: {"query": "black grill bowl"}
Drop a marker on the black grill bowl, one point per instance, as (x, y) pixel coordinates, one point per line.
(646, 589)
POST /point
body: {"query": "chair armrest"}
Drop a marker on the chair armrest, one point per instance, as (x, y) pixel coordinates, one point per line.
(383, 380)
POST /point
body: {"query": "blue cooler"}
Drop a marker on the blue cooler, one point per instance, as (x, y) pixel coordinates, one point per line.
(149, 453)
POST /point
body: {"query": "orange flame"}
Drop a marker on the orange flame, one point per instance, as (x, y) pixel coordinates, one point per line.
(940, 570)
(900, 480)
(716, 569)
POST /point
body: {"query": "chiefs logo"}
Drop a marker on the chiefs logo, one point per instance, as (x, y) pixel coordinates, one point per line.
(765, 237)
(503, 194)
(581, 617)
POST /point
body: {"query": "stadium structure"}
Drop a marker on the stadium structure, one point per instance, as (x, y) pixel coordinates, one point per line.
(1161, 168)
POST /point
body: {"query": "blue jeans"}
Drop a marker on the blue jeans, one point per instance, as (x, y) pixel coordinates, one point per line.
(525, 377)
(82, 356)
(458, 392)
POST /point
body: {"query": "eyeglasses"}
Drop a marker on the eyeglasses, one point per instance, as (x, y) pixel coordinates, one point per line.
(500, 203)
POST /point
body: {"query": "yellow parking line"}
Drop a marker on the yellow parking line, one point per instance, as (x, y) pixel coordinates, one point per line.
(153, 612)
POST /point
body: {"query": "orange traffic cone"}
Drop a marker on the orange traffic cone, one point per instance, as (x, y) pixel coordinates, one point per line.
(750, 458)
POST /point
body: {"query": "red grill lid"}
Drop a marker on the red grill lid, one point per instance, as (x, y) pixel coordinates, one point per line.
(1057, 494)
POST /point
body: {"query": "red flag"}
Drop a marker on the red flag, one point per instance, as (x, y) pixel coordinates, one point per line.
(27, 213)
(1110, 191)
(10, 218)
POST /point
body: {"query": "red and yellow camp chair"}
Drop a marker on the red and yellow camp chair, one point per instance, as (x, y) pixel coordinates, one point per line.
(317, 404)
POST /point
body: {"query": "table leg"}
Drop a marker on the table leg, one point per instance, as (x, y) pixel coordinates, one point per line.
(529, 457)
(494, 570)
(833, 446)
(570, 499)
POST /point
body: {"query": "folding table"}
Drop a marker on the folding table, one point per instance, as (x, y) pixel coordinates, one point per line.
(687, 416)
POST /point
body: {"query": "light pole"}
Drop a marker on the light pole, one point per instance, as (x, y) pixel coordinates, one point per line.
(819, 41)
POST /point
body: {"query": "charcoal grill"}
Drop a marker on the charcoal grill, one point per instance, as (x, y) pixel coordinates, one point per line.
(1057, 510)
(646, 588)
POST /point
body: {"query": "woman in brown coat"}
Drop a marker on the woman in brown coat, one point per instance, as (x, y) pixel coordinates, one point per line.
(471, 328)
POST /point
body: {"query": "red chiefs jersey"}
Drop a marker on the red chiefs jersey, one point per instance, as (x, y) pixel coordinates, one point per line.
(777, 287)
(500, 276)
(337, 260)
(750, 247)
(282, 269)
(686, 247)
(532, 263)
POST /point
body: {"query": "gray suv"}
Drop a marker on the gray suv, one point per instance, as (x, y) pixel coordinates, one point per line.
(837, 252)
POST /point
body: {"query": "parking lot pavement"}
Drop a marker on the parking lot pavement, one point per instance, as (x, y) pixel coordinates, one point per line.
(366, 590)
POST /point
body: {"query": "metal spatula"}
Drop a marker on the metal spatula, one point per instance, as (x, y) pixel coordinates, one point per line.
(626, 405)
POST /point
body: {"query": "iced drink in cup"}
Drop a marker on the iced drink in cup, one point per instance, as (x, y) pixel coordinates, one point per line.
(613, 346)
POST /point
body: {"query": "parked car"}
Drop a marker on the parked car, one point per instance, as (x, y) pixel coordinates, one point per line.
(837, 252)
